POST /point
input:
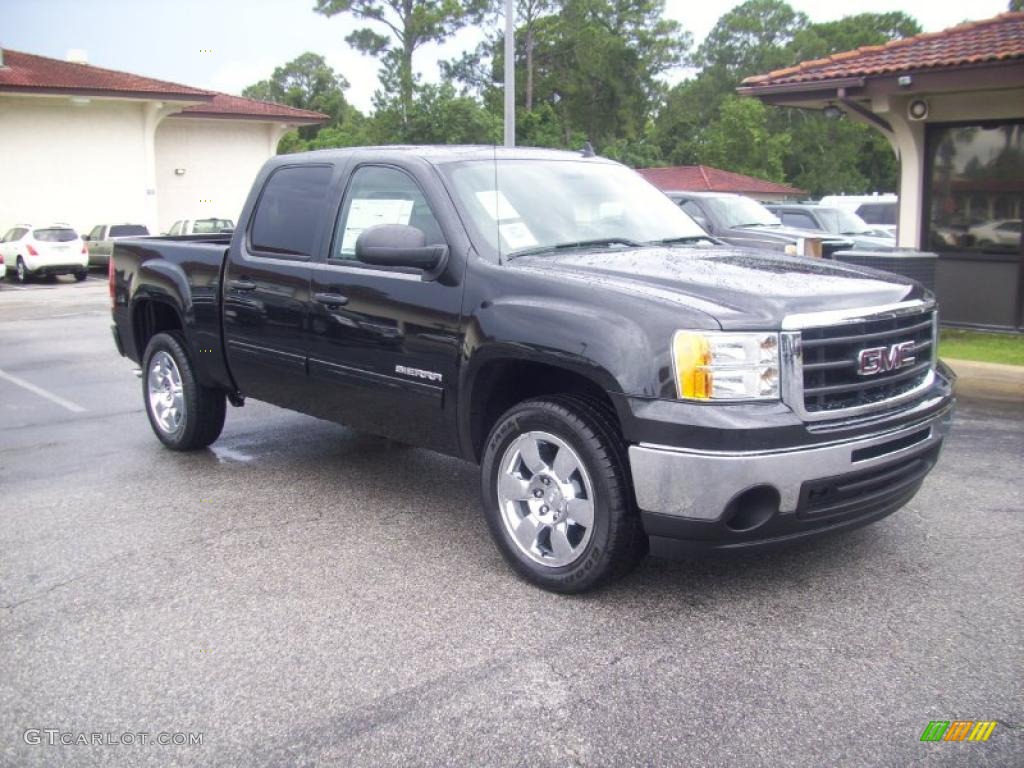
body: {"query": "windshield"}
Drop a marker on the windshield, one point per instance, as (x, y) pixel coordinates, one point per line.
(209, 226)
(841, 222)
(533, 205)
(127, 230)
(54, 235)
(741, 212)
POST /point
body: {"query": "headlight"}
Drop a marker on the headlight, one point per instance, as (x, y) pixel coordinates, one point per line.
(717, 365)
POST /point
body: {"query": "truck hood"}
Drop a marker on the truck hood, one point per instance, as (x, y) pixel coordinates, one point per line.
(737, 287)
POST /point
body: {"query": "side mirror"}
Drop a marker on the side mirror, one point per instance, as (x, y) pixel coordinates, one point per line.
(398, 245)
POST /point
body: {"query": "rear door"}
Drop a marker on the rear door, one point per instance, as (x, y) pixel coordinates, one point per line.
(384, 342)
(267, 284)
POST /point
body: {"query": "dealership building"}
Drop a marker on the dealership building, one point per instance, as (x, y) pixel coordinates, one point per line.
(85, 145)
(951, 104)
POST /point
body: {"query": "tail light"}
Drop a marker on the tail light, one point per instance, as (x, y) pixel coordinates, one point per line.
(31, 251)
(85, 250)
(110, 280)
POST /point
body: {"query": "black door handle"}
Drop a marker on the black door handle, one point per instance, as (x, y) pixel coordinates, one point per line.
(243, 285)
(330, 300)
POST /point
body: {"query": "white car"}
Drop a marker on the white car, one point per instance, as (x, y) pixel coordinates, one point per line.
(43, 251)
(208, 226)
(3, 267)
(997, 232)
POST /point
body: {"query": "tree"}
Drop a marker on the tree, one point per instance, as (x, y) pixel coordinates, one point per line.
(741, 141)
(406, 25)
(306, 82)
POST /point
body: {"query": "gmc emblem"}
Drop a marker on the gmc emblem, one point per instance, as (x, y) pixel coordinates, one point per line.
(880, 359)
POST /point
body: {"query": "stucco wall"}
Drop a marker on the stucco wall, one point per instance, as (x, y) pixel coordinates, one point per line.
(81, 164)
(220, 158)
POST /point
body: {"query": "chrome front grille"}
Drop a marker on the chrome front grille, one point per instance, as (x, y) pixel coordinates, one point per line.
(821, 359)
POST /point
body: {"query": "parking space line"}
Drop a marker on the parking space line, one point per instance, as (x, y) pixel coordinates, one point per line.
(73, 407)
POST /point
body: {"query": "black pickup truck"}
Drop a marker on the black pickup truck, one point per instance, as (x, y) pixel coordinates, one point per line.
(625, 382)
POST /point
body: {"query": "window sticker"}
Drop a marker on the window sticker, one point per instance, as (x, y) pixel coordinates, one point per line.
(369, 212)
(497, 205)
(516, 235)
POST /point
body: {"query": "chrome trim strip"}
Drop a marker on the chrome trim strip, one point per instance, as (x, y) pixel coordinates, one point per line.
(843, 316)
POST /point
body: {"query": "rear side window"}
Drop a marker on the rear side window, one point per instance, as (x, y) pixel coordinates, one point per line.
(210, 226)
(799, 219)
(878, 213)
(54, 235)
(128, 230)
(291, 210)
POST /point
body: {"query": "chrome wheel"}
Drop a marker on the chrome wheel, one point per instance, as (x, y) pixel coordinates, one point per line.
(546, 499)
(166, 396)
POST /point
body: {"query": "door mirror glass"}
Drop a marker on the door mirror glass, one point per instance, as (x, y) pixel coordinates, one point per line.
(398, 245)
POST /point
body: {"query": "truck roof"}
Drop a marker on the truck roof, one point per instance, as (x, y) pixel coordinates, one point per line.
(445, 153)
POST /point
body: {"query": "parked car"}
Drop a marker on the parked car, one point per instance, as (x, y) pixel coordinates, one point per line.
(44, 252)
(206, 226)
(880, 211)
(1004, 233)
(3, 267)
(622, 380)
(821, 218)
(100, 240)
(745, 222)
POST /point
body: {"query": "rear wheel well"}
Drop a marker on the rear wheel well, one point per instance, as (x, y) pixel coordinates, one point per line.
(150, 318)
(502, 384)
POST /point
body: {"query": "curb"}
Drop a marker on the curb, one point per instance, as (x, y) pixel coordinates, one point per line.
(988, 381)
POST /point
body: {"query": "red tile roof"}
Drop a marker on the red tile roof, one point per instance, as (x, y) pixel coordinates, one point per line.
(701, 178)
(224, 105)
(28, 73)
(1000, 38)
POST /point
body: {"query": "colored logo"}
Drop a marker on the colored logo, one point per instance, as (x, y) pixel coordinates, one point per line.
(958, 730)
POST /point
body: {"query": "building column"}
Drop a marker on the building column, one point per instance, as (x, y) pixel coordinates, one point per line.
(153, 113)
(907, 139)
(274, 133)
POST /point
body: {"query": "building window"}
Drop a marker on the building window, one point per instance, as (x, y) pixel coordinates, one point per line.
(975, 182)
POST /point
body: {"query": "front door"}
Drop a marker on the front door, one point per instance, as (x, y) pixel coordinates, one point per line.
(384, 343)
(267, 286)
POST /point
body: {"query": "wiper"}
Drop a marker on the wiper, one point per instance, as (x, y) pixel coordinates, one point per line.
(683, 239)
(753, 224)
(575, 244)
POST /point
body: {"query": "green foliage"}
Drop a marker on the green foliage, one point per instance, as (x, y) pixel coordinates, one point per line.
(594, 70)
(306, 82)
(399, 28)
(741, 141)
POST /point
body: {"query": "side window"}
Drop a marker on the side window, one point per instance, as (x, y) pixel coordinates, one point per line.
(291, 210)
(9, 235)
(381, 195)
(690, 207)
(799, 220)
(97, 232)
(175, 229)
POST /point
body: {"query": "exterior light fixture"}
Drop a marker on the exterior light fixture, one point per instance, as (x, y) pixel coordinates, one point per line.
(832, 112)
(179, 171)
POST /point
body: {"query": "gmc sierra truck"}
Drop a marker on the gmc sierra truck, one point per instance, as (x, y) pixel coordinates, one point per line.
(626, 382)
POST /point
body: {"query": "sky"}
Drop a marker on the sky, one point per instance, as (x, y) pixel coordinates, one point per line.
(225, 45)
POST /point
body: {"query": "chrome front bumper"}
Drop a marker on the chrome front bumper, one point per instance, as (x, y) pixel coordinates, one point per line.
(698, 485)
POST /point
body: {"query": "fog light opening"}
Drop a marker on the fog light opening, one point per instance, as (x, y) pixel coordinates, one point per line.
(754, 507)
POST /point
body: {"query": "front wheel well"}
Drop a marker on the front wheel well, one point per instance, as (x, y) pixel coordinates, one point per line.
(501, 384)
(150, 318)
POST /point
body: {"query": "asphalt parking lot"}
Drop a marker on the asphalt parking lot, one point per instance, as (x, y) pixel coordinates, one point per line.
(304, 595)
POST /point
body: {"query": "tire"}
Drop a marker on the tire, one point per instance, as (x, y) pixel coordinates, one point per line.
(81, 275)
(183, 413)
(549, 538)
(21, 273)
